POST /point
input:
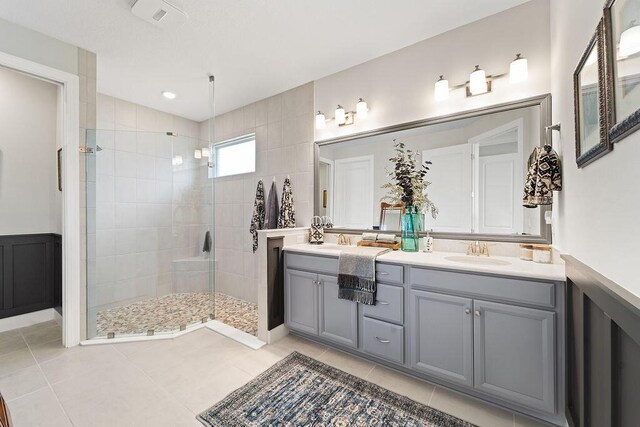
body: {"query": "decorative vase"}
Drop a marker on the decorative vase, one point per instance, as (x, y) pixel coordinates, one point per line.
(412, 222)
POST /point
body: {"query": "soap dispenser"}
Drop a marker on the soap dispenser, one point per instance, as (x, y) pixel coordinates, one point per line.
(428, 243)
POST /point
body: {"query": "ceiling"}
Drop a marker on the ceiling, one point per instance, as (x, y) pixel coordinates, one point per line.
(255, 48)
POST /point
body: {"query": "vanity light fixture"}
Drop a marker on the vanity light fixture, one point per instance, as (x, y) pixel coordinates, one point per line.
(442, 89)
(206, 152)
(478, 82)
(341, 115)
(169, 95)
(362, 109)
(197, 154)
(321, 121)
(629, 41)
(519, 69)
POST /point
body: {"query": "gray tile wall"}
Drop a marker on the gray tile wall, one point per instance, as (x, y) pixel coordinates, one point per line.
(284, 128)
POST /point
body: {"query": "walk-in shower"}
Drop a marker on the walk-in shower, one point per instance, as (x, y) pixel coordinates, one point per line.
(150, 220)
(151, 237)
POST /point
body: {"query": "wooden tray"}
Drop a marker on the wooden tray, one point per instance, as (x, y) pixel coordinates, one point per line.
(394, 246)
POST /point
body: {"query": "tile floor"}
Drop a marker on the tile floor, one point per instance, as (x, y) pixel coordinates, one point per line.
(168, 382)
(169, 312)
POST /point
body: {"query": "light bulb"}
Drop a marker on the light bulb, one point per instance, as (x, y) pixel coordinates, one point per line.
(629, 41)
(197, 154)
(442, 89)
(206, 152)
(169, 95)
(321, 122)
(519, 70)
(478, 81)
(362, 109)
(341, 116)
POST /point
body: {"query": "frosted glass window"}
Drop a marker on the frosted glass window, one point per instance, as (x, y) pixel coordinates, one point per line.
(236, 156)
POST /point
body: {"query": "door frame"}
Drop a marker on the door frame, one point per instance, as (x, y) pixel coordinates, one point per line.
(481, 139)
(69, 123)
(331, 166)
(371, 160)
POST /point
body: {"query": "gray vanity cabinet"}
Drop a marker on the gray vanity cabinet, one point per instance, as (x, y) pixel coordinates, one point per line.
(442, 336)
(301, 301)
(312, 306)
(338, 318)
(514, 349)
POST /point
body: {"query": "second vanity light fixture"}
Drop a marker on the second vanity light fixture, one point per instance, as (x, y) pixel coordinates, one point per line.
(343, 117)
(479, 83)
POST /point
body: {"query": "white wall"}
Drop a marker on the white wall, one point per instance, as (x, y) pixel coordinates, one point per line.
(29, 199)
(399, 86)
(597, 212)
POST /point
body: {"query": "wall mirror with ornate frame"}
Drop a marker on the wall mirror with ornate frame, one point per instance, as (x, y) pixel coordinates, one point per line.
(622, 38)
(479, 164)
(589, 86)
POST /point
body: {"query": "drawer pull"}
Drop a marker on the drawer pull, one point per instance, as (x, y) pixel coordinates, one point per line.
(382, 340)
(382, 302)
(383, 273)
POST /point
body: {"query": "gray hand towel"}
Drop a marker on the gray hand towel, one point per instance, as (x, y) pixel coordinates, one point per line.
(272, 211)
(357, 274)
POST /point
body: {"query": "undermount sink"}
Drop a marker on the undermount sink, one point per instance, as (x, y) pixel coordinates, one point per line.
(477, 260)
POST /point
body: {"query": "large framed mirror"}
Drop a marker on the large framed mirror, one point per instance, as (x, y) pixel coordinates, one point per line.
(477, 174)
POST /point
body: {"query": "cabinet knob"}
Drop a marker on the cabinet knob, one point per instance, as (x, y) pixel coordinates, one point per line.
(467, 311)
(382, 340)
(478, 313)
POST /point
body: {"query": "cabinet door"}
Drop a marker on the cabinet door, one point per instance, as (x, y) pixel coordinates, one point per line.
(441, 341)
(338, 317)
(301, 301)
(514, 350)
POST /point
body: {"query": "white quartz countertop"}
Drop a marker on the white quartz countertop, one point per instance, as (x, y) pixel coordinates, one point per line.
(511, 266)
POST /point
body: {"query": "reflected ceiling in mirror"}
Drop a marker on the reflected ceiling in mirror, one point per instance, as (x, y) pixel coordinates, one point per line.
(477, 173)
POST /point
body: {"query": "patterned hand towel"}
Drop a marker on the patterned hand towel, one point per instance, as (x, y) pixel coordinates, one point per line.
(287, 217)
(544, 176)
(257, 220)
(271, 215)
(357, 274)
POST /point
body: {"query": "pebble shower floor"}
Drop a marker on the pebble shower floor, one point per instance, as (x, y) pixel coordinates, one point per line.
(169, 312)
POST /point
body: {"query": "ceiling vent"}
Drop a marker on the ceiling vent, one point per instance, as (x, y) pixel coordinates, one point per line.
(159, 12)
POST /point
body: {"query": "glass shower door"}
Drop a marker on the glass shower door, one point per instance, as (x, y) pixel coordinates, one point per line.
(150, 261)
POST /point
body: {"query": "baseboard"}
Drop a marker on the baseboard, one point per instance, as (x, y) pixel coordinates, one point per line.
(235, 334)
(28, 319)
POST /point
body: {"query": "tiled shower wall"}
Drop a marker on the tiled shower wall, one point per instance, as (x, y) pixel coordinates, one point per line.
(284, 128)
(148, 212)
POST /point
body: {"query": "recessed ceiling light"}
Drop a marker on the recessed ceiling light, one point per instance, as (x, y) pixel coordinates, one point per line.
(169, 95)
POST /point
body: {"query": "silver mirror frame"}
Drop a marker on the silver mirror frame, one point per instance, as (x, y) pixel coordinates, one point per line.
(543, 101)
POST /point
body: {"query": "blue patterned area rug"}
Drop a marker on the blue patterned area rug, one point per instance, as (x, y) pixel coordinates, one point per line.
(300, 391)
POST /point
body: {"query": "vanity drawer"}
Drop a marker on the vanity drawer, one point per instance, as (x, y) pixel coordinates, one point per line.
(313, 263)
(389, 304)
(389, 273)
(511, 289)
(383, 340)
